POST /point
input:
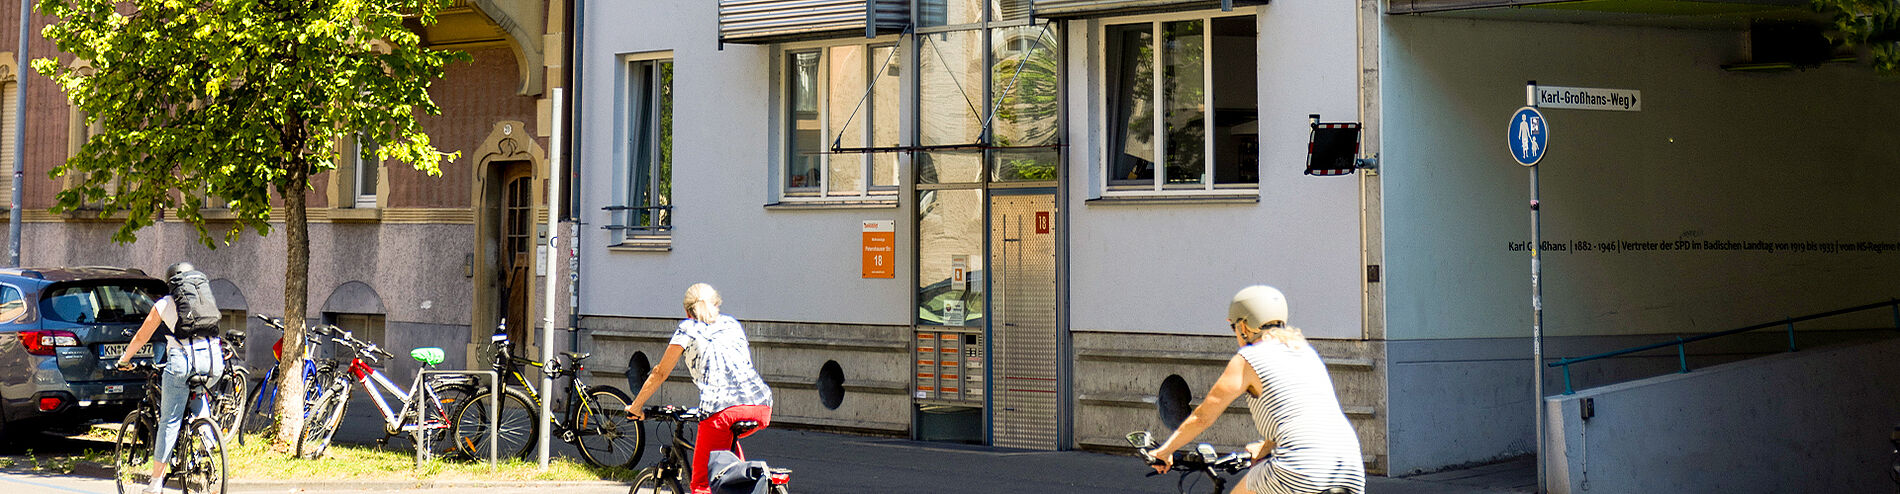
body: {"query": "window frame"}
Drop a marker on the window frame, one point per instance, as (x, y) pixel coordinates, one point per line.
(867, 191)
(362, 195)
(1098, 32)
(622, 213)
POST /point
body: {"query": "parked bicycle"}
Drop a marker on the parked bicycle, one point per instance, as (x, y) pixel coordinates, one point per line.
(260, 409)
(425, 409)
(197, 462)
(592, 417)
(1201, 469)
(675, 469)
(233, 390)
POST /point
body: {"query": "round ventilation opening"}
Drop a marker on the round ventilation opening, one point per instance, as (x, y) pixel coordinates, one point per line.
(831, 385)
(1172, 401)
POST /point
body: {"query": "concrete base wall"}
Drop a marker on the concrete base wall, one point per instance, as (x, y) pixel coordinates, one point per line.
(1811, 420)
(1118, 378)
(1468, 401)
(875, 359)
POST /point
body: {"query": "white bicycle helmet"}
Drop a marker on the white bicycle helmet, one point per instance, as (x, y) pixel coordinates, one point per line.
(1260, 305)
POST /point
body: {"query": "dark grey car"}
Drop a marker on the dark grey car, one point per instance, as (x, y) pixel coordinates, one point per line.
(61, 330)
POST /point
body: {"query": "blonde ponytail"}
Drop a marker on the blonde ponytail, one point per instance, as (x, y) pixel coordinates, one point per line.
(702, 302)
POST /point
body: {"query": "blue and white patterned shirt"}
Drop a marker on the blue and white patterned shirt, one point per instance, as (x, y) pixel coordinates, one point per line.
(720, 360)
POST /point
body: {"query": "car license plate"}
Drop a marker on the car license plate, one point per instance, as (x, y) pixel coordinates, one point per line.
(113, 389)
(114, 350)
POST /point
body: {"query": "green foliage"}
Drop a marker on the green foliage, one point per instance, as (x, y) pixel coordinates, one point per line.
(233, 100)
(1874, 24)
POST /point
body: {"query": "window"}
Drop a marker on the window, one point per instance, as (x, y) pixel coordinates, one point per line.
(230, 320)
(86, 304)
(365, 327)
(844, 97)
(1177, 120)
(647, 156)
(9, 107)
(363, 165)
(12, 306)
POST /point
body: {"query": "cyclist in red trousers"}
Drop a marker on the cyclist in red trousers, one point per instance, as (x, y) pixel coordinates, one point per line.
(720, 360)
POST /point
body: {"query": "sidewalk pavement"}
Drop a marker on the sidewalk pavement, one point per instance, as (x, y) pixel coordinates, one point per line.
(845, 464)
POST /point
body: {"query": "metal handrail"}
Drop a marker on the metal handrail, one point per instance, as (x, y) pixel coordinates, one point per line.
(1682, 355)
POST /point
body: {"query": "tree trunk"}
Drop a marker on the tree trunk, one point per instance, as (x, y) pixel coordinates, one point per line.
(290, 401)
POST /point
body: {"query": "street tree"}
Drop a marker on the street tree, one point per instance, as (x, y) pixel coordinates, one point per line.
(237, 103)
(1873, 24)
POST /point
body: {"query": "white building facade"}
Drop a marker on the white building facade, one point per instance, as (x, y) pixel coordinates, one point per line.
(1074, 189)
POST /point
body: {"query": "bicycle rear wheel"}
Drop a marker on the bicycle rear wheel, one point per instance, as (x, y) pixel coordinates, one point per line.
(132, 455)
(514, 429)
(656, 480)
(435, 418)
(202, 469)
(606, 437)
(323, 419)
(227, 405)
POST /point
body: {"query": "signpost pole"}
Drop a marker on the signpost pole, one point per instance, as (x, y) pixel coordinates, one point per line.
(1537, 310)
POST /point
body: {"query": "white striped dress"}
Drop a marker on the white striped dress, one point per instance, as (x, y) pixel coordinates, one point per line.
(1314, 446)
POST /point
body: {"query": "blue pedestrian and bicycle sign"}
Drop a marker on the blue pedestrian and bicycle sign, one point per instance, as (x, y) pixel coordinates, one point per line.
(1529, 136)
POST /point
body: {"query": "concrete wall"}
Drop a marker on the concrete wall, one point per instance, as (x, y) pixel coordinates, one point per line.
(780, 265)
(1187, 260)
(1813, 420)
(1714, 156)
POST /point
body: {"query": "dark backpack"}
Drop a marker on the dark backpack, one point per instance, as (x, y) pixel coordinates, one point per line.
(197, 309)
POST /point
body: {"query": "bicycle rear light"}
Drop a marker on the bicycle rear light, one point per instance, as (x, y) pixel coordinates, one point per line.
(43, 342)
(781, 478)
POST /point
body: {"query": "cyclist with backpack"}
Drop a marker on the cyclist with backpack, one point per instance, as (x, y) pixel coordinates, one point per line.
(189, 318)
(720, 359)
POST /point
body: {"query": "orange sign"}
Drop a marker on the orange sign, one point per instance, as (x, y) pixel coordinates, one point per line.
(880, 249)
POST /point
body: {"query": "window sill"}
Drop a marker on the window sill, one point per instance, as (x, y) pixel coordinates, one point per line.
(881, 203)
(356, 214)
(1236, 197)
(644, 243)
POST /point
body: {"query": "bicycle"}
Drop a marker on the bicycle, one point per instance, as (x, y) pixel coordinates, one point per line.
(424, 415)
(593, 417)
(671, 474)
(1201, 460)
(197, 462)
(232, 390)
(260, 412)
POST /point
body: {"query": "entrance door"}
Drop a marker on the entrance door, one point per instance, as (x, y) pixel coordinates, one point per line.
(1026, 357)
(517, 250)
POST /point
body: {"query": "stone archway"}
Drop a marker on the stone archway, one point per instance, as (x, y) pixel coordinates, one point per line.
(509, 153)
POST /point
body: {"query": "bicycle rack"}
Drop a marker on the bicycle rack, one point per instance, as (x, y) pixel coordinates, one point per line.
(494, 414)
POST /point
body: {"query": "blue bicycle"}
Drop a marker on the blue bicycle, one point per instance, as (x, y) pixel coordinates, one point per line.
(261, 414)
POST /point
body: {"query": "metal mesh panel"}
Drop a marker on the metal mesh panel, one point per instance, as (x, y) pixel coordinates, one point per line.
(1027, 392)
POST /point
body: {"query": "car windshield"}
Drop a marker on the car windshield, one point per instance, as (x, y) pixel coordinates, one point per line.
(107, 303)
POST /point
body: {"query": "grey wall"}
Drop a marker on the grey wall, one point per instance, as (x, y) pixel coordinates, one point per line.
(1173, 268)
(1713, 156)
(1795, 422)
(799, 265)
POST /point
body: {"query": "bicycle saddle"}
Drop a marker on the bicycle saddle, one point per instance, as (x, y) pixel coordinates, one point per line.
(428, 356)
(197, 380)
(1336, 490)
(741, 428)
(576, 357)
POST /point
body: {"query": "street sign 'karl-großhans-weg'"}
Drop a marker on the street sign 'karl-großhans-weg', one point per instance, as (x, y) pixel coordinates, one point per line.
(1589, 98)
(1529, 136)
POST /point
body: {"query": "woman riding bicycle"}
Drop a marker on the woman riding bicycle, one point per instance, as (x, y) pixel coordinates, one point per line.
(1313, 447)
(189, 351)
(720, 360)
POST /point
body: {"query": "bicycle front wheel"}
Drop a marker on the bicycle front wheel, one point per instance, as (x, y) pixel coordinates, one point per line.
(656, 480)
(202, 469)
(227, 404)
(323, 419)
(514, 425)
(132, 455)
(607, 437)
